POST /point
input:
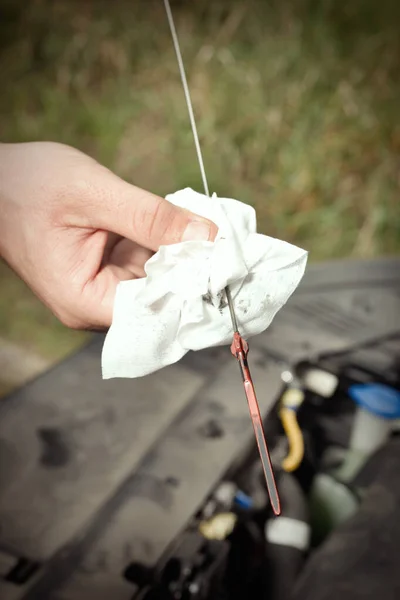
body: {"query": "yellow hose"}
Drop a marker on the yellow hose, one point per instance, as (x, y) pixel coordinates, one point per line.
(290, 401)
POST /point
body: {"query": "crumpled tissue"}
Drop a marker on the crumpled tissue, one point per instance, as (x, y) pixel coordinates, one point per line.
(180, 305)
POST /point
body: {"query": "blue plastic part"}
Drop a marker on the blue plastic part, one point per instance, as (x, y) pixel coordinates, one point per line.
(381, 400)
(243, 500)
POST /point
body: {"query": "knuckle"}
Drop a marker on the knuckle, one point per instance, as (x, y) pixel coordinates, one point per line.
(155, 222)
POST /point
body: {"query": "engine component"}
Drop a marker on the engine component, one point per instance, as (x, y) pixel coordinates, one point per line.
(288, 539)
(359, 561)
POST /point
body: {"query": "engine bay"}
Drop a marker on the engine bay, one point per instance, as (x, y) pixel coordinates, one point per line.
(234, 547)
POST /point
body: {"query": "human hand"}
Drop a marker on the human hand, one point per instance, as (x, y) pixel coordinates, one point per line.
(72, 230)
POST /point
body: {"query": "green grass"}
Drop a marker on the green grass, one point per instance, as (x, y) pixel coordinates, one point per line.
(297, 103)
(25, 321)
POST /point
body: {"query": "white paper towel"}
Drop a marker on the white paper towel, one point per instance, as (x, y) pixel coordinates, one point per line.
(181, 305)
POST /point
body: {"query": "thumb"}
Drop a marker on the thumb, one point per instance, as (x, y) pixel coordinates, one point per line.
(145, 218)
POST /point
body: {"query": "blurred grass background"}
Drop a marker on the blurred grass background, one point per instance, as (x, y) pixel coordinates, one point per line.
(297, 101)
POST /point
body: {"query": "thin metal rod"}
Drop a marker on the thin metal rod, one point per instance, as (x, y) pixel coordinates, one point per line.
(239, 346)
(195, 133)
(239, 349)
(232, 310)
(187, 95)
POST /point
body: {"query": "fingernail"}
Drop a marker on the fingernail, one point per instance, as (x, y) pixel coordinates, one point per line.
(196, 231)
